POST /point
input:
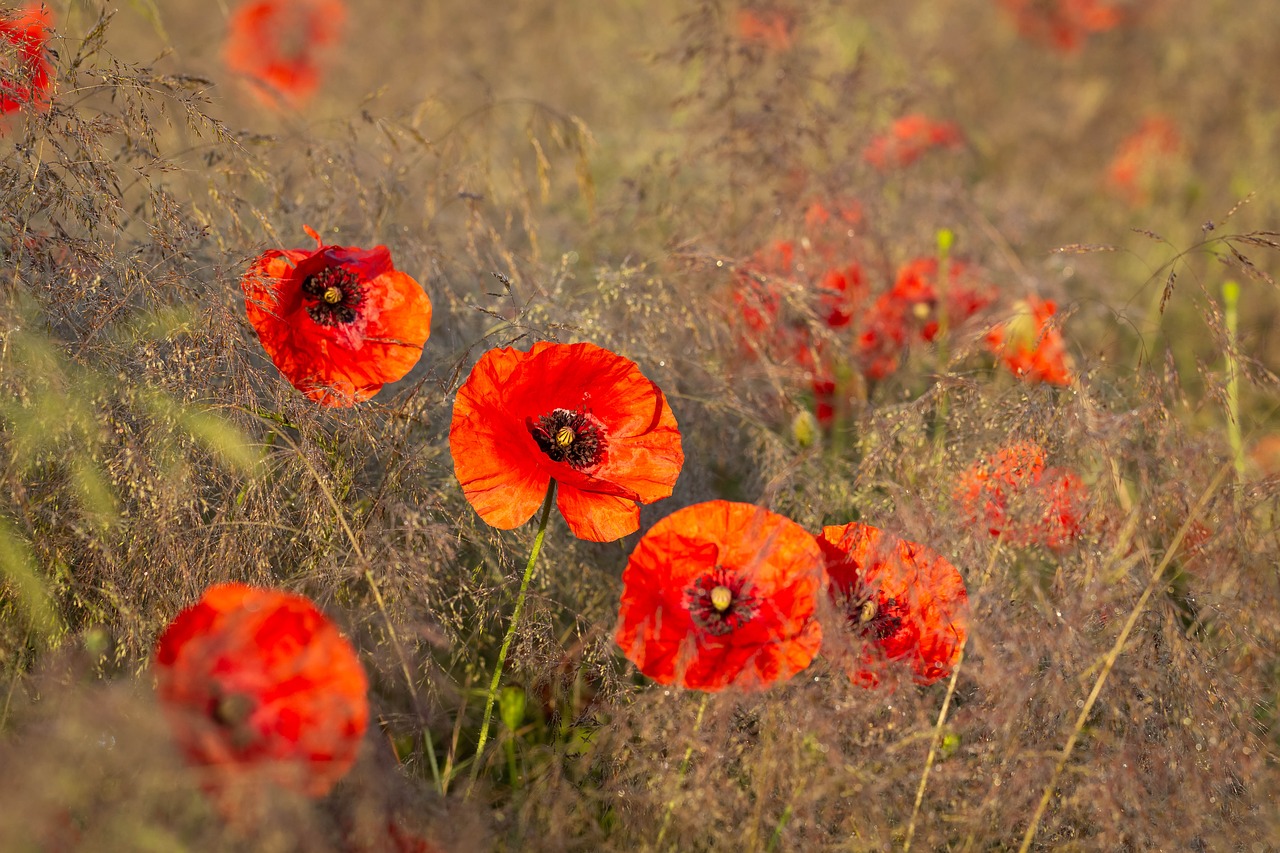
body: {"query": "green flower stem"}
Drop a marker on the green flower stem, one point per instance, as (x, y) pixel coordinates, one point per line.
(1230, 304)
(511, 629)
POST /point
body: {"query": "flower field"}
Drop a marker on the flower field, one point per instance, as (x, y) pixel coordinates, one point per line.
(694, 426)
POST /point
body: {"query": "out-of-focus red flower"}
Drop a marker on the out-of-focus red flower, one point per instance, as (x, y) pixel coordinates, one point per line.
(720, 595)
(1064, 25)
(276, 46)
(1030, 346)
(840, 295)
(257, 683)
(904, 602)
(908, 138)
(769, 28)
(338, 321)
(1142, 157)
(25, 70)
(1265, 455)
(908, 312)
(573, 412)
(1012, 494)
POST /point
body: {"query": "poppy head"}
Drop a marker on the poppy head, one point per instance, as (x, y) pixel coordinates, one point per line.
(903, 603)
(1031, 346)
(275, 46)
(1016, 497)
(1143, 159)
(575, 413)
(338, 321)
(258, 681)
(1064, 25)
(722, 594)
(25, 70)
(908, 139)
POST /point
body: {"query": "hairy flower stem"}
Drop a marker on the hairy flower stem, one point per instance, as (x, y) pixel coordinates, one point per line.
(547, 504)
(684, 769)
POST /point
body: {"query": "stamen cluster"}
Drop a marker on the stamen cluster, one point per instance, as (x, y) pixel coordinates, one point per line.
(720, 601)
(337, 294)
(574, 437)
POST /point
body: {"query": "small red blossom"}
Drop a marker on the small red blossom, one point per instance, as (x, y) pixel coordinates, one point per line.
(1013, 495)
(908, 312)
(840, 295)
(276, 46)
(573, 412)
(1064, 25)
(257, 683)
(906, 604)
(1030, 346)
(719, 595)
(338, 321)
(908, 139)
(769, 28)
(25, 71)
(1142, 158)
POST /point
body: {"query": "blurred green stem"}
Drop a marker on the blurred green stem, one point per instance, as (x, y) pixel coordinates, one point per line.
(511, 631)
(1231, 309)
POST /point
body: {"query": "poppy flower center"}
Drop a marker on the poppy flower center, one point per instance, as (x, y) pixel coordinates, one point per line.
(874, 618)
(575, 438)
(720, 601)
(232, 711)
(334, 295)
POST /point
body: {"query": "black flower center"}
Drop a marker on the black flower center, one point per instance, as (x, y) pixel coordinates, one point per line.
(720, 601)
(333, 296)
(576, 438)
(232, 711)
(872, 617)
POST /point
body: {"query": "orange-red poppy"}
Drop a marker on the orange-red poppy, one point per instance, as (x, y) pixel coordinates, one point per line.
(722, 594)
(338, 321)
(25, 70)
(1030, 346)
(1013, 495)
(903, 602)
(276, 46)
(908, 138)
(258, 684)
(1064, 25)
(770, 28)
(573, 412)
(1143, 158)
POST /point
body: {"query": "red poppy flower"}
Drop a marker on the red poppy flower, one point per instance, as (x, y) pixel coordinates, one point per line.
(767, 27)
(1030, 347)
(1013, 494)
(907, 312)
(26, 71)
(722, 594)
(338, 321)
(901, 599)
(1142, 158)
(573, 412)
(1063, 24)
(908, 139)
(275, 45)
(258, 681)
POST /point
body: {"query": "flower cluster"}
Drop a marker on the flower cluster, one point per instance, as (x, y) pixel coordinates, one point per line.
(721, 594)
(1016, 498)
(258, 685)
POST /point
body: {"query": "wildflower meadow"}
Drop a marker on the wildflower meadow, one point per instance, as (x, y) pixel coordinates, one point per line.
(688, 425)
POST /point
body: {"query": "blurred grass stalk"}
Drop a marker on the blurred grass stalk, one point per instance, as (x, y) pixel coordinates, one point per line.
(1231, 311)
